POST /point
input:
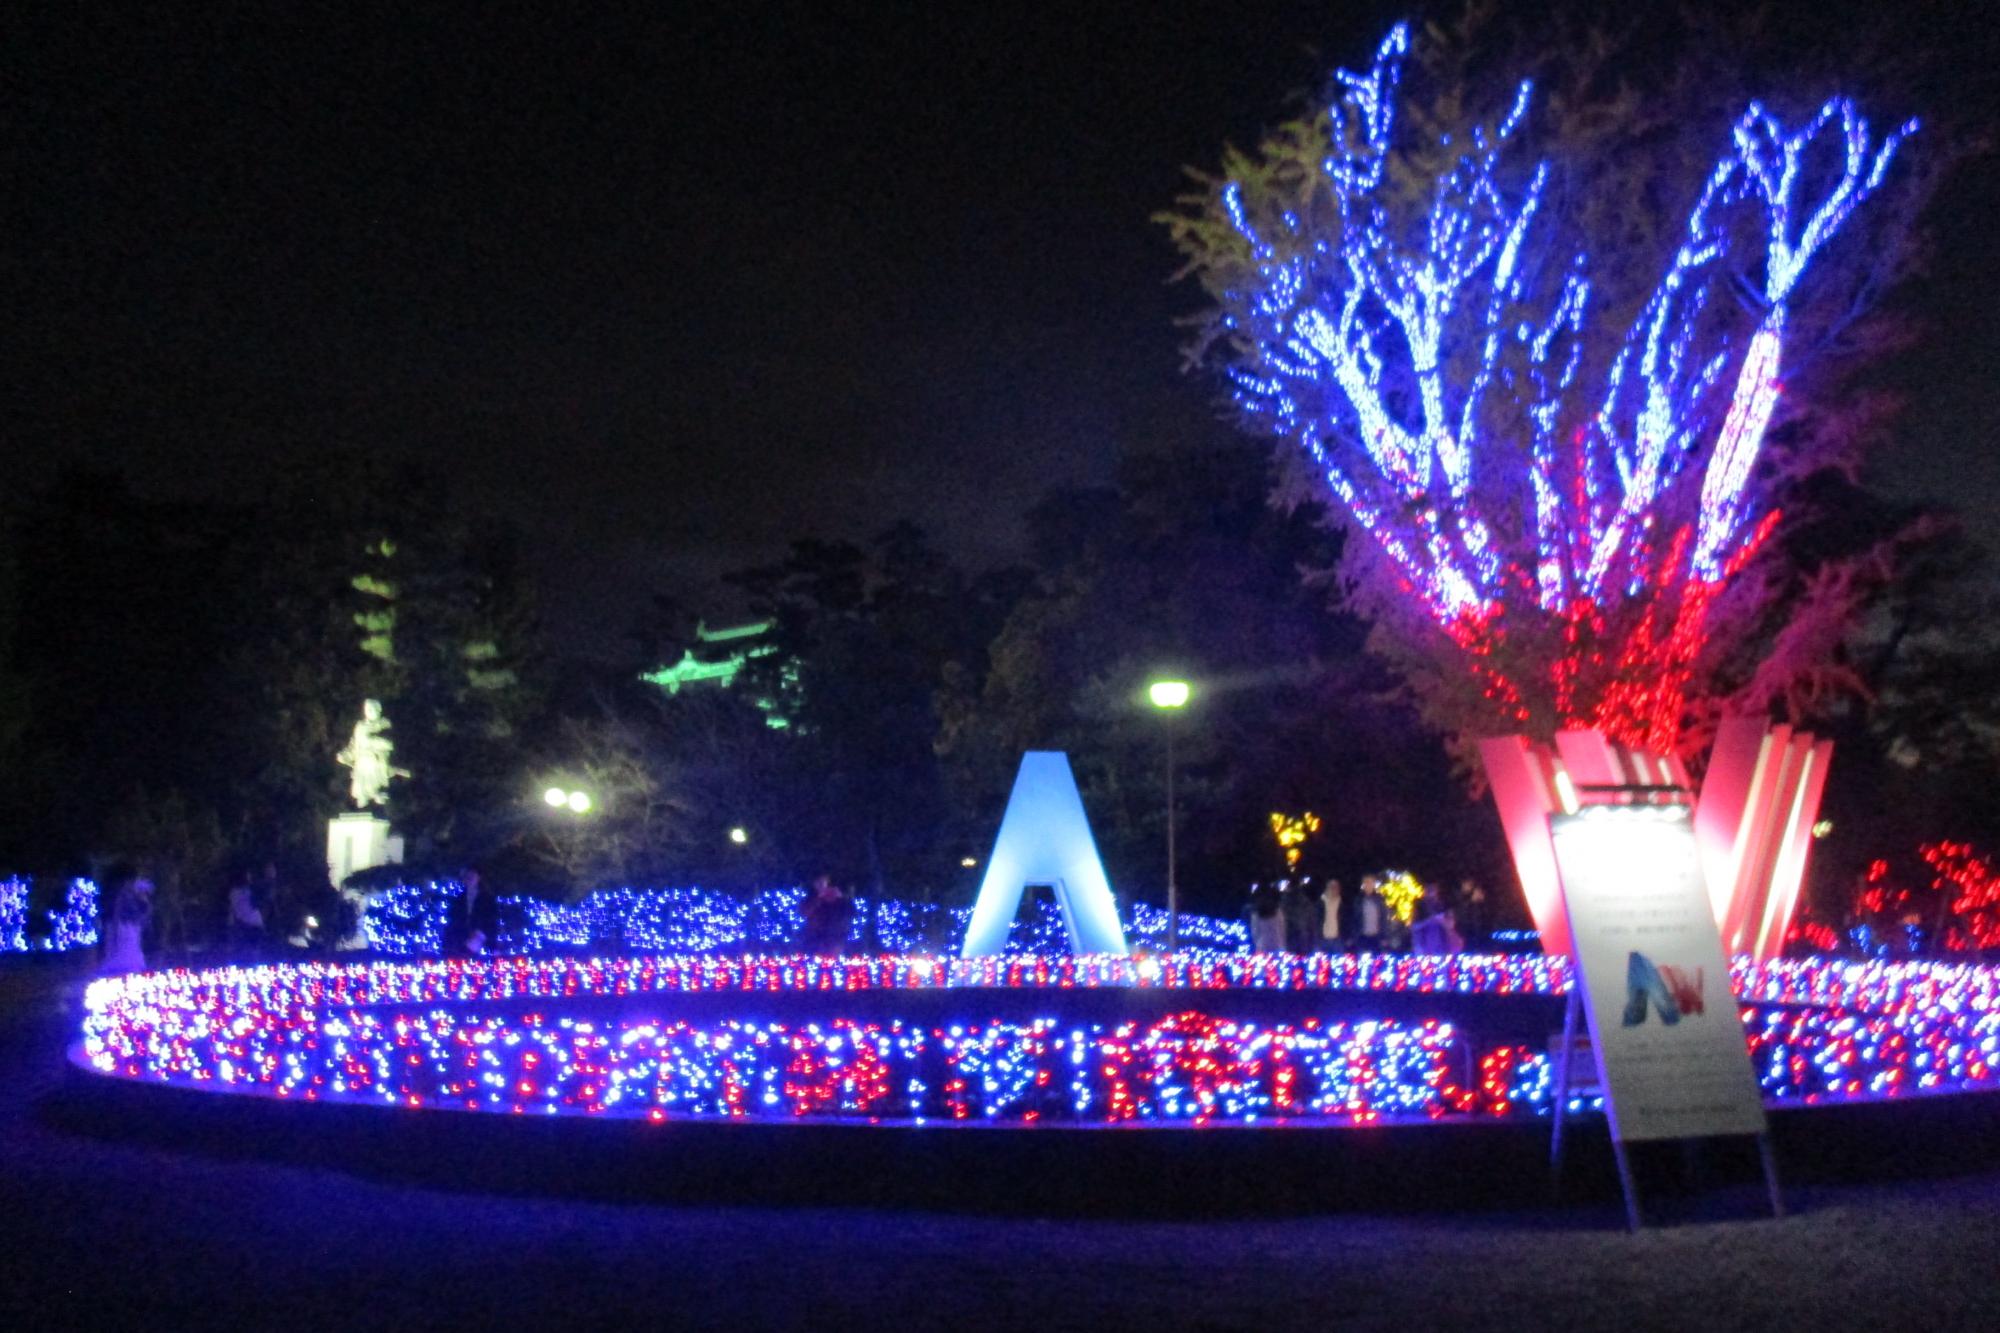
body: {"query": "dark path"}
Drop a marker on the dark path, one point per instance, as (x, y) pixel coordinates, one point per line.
(107, 1233)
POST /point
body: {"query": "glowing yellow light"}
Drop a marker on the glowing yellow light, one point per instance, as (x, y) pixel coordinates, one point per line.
(1291, 832)
(969, 862)
(1168, 693)
(556, 797)
(1821, 829)
(739, 835)
(1401, 892)
(579, 802)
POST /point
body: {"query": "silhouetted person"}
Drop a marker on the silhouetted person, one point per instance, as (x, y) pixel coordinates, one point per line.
(1371, 914)
(1471, 914)
(125, 908)
(1267, 921)
(473, 926)
(1301, 913)
(1437, 933)
(245, 919)
(829, 916)
(1330, 908)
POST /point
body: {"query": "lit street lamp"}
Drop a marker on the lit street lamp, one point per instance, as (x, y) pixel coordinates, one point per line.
(576, 802)
(1170, 696)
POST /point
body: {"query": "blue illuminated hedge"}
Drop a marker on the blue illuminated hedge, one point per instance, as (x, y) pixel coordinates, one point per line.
(74, 926)
(409, 919)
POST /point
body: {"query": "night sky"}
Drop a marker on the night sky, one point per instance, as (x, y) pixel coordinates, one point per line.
(669, 292)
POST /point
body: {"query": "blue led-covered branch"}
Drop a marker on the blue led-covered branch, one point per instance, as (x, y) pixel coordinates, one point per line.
(1354, 345)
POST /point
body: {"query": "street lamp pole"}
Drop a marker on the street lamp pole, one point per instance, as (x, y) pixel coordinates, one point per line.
(1173, 883)
(1170, 696)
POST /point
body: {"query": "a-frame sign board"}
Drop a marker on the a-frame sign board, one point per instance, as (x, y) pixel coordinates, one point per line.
(1653, 984)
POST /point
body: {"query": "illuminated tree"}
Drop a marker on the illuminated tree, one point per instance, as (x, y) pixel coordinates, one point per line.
(1560, 472)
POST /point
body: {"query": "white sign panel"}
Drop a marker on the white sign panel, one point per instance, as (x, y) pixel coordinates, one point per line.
(1670, 1044)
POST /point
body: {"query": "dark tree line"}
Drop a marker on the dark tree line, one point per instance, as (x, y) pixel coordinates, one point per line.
(176, 677)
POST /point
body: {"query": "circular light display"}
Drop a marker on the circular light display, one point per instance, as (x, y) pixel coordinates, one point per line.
(1016, 1040)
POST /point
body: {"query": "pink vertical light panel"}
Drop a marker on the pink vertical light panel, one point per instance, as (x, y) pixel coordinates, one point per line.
(1524, 789)
(1753, 818)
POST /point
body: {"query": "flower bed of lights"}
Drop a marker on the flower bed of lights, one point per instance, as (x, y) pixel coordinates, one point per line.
(1192, 1039)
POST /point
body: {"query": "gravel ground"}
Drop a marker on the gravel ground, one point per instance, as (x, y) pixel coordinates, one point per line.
(107, 1233)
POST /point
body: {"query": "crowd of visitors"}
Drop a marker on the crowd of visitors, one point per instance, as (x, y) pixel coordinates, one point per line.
(1297, 914)
(1300, 915)
(248, 914)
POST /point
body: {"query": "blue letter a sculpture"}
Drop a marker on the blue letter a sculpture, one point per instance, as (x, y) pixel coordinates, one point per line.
(1045, 839)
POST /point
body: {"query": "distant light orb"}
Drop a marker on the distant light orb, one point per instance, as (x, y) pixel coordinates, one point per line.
(556, 797)
(1822, 828)
(579, 802)
(739, 835)
(969, 862)
(1168, 693)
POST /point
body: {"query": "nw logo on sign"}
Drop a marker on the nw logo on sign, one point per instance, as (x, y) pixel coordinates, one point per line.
(1673, 991)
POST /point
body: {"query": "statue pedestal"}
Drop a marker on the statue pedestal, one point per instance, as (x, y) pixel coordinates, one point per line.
(355, 842)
